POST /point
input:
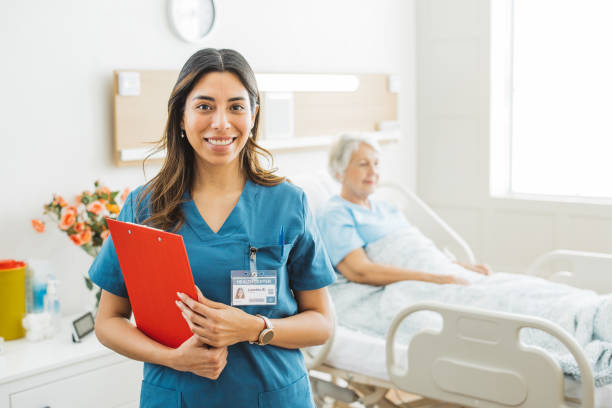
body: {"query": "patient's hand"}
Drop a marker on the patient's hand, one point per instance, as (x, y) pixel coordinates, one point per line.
(450, 279)
(478, 268)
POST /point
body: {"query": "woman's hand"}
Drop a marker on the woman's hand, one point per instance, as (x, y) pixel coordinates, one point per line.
(198, 358)
(218, 324)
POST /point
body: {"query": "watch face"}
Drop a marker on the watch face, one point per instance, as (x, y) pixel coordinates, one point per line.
(191, 19)
(267, 336)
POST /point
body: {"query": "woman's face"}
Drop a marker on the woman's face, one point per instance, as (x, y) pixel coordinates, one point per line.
(361, 175)
(218, 118)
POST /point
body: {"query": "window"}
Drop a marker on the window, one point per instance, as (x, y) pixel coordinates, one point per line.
(552, 97)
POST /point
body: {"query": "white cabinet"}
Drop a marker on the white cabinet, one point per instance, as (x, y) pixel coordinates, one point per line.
(56, 373)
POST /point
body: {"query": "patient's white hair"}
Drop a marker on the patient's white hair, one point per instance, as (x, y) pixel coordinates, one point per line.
(342, 150)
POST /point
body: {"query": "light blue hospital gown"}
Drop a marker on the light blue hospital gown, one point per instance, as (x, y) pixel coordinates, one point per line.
(386, 236)
(266, 376)
(346, 226)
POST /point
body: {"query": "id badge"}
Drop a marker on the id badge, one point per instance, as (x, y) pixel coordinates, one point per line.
(256, 287)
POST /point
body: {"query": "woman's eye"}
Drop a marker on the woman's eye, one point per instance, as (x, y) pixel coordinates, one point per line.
(238, 108)
(204, 107)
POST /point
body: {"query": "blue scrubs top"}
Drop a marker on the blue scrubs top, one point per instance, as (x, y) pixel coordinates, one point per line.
(266, 376)
(346, 226)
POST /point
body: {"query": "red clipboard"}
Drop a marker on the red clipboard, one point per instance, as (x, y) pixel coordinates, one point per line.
(155, 266)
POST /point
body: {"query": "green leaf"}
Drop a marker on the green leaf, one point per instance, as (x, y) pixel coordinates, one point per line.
(88, 283)
(85, 199)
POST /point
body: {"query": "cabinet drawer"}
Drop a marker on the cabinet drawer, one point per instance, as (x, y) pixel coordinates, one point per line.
(110, 386)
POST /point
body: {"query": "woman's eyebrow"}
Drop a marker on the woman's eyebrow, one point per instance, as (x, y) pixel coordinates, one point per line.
(210, 98)
(207, 98)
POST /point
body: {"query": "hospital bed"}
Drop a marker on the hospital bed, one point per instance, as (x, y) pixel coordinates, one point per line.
(476, 360)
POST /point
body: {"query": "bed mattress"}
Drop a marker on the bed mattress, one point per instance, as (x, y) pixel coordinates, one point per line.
(349, 344)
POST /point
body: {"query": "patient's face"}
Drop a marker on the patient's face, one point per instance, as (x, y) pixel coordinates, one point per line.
(361, 175)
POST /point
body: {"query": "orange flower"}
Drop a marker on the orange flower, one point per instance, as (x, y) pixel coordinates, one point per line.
(79, 227)
(105, 234)
(77, 199)
(103, 190)
(59, 200)
(38, 225)
(124, 195)
(76, 239)
(113, 208)
(95, 207)
(85, 236)
(68, 217)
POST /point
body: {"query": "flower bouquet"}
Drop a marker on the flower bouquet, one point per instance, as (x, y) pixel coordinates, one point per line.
(84, 221)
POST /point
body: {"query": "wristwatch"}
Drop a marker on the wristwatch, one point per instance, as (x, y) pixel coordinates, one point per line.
(267, 334)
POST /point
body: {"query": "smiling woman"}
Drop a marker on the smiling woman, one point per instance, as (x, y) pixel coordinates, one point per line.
(252, 245)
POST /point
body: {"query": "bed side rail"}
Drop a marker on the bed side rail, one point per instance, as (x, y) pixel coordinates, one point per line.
(430, 223)
(586, 270)
(477, 360)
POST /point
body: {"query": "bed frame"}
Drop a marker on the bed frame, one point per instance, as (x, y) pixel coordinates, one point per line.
(476, 360)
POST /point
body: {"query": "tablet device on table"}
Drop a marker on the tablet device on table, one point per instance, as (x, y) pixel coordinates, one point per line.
(155, 266)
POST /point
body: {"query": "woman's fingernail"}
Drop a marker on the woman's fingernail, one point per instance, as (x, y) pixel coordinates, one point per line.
(179, 294)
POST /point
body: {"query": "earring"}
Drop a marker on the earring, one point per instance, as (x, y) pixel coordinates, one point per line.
(182, 133)
(251, 134)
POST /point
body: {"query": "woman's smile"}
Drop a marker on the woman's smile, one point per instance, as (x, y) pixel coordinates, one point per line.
(221, 145)
(220, 141)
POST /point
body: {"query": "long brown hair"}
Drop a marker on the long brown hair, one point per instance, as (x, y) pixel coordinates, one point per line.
(176, 176)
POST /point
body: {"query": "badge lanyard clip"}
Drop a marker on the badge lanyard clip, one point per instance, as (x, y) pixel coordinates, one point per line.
(253, 261)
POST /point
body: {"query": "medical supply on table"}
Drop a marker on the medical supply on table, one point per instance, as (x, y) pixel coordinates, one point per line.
(38, 275)
(52, 305)
(39, 326)
(12, 298)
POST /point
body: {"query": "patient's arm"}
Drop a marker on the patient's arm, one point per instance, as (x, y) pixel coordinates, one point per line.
(357, 267)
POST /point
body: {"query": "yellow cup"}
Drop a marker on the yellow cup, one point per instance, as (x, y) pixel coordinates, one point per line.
(12, 298)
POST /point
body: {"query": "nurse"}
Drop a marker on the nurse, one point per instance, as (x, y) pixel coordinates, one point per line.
(238, 220)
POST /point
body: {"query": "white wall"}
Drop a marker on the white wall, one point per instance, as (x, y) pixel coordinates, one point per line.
(56, 80)
(453, 148)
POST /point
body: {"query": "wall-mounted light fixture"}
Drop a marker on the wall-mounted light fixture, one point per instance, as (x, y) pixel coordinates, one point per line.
(307, 83)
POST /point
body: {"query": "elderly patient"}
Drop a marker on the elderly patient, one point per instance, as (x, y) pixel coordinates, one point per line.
(353, 220)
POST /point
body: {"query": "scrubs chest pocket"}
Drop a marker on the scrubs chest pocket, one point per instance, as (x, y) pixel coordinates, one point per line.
(272, 256)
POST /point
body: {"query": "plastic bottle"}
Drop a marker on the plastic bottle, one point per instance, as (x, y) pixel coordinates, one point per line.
(52, 305)
(37, 275)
